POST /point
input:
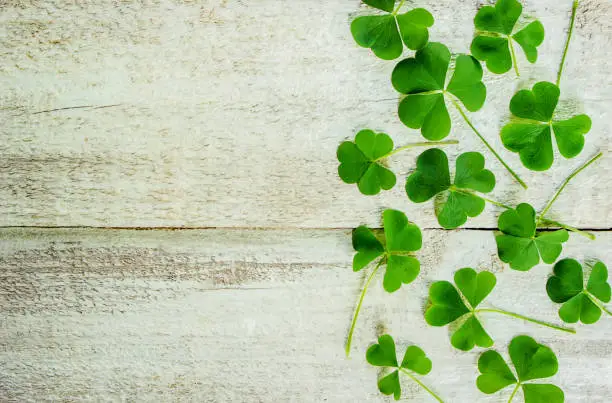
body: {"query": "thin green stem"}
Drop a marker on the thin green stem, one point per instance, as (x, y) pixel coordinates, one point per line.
(486, 143)
(516, 388)
(513, 55)
(567, 227)
(567, 180)
(567, 43)
(417, 380)
(420, 144)
(399, 7)
(596, 302)
(465, 191)
(496, 203)
(363, 292)
(517, 316)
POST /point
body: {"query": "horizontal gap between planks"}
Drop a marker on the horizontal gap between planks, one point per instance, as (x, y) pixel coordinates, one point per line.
(267, 228)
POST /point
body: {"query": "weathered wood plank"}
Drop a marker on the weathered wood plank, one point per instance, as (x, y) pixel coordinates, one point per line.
(234, 315)
(207, 113)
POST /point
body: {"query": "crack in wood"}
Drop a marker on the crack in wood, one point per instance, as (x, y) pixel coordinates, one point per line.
(75, 107)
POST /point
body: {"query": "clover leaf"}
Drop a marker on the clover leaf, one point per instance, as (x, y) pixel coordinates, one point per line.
(402, 238)
(580, 303)
(422, 79)
(457, 202)
(520, 245)
(532, 137)
(531, 361)
(360, 162)
(447, 306)
(415, 361)
(493, 42)
(386, 34)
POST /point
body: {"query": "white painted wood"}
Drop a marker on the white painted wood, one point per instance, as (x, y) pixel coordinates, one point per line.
(252, 315)
(228, 113)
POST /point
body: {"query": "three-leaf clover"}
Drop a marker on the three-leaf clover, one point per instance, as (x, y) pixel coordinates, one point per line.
(383, 354)
(531, 137)
(432, 178)
(520, 245)
(360, 162)
(422, 79)
(402, 238)
(386, 34)
(531, 361)
(580, 303)
(446, 306)
(493, 42)
(449, 304)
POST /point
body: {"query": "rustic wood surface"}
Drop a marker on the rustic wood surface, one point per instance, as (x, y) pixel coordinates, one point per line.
(225, 116)
(250, 315)
(228, 114)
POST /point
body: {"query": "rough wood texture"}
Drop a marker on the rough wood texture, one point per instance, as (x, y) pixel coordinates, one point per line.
(208, 113)
(228, 114)
(235, 315)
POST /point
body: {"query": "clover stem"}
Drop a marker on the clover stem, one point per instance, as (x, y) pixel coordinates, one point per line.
(363, 292)
(597, 303)
(569, 37)
(517, 316)
(567, 227)
(486, 143)
(399, 7)
(514, 61)
(567, 180)
(516, 388)
(420, 144)
(496, 203)
(417, 380)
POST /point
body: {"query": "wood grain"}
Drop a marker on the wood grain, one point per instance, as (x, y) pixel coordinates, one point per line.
(252, 315)
(228, 114)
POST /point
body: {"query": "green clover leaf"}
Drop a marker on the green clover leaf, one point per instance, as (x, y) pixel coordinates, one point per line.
(531, 361)
(580, 303)
(422, 79)
(402, 238)
(493, 42)
(360, 162)
(385, 5)
(386, 34)
(383, 354)
(520, 245)
(532, 137)
(447, 306)
(495, 374)
(457, 202)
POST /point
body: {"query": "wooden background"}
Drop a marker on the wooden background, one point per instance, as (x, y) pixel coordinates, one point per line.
(173, 227)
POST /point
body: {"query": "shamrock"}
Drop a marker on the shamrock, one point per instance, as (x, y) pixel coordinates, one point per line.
(360, 162)
(579, 303)
(446, 306)
(402, 238)
(384, 355)
(380, 32)
(493, 42)
(531, 361)
(422, 79)
(531, 138)
(432, 178)
(520, 245)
